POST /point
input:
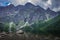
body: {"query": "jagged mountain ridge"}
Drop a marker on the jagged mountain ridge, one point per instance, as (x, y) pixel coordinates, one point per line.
(27, 12)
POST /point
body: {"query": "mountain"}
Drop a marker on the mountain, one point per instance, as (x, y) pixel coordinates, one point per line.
(58, 12)
(52, 13)
(29, 5)
(5, 8)
(48, 27)
(27, 12)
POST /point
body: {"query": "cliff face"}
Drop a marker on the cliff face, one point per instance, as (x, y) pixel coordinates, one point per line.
(27, 12)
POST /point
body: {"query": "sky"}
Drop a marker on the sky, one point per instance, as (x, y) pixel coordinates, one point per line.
(52, 4)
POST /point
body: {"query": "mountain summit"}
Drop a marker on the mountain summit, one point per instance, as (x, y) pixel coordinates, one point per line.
(27, 12)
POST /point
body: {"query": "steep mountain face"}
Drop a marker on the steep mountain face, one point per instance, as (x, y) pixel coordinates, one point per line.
(27, 12)
(51, 13)
(58, 12)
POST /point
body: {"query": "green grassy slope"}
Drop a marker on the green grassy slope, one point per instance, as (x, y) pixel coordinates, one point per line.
(49, 27)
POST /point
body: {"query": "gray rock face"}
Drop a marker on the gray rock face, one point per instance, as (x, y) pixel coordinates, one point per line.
(28, 12)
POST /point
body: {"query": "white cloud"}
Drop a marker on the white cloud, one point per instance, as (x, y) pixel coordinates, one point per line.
(18, 2)
(35, 2)
(56, 9)
(45, 4)
(49, 2)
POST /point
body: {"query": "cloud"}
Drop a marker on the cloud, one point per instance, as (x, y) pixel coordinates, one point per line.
(56, 9)
(18, 2)
(55, 5)
(44, 3)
